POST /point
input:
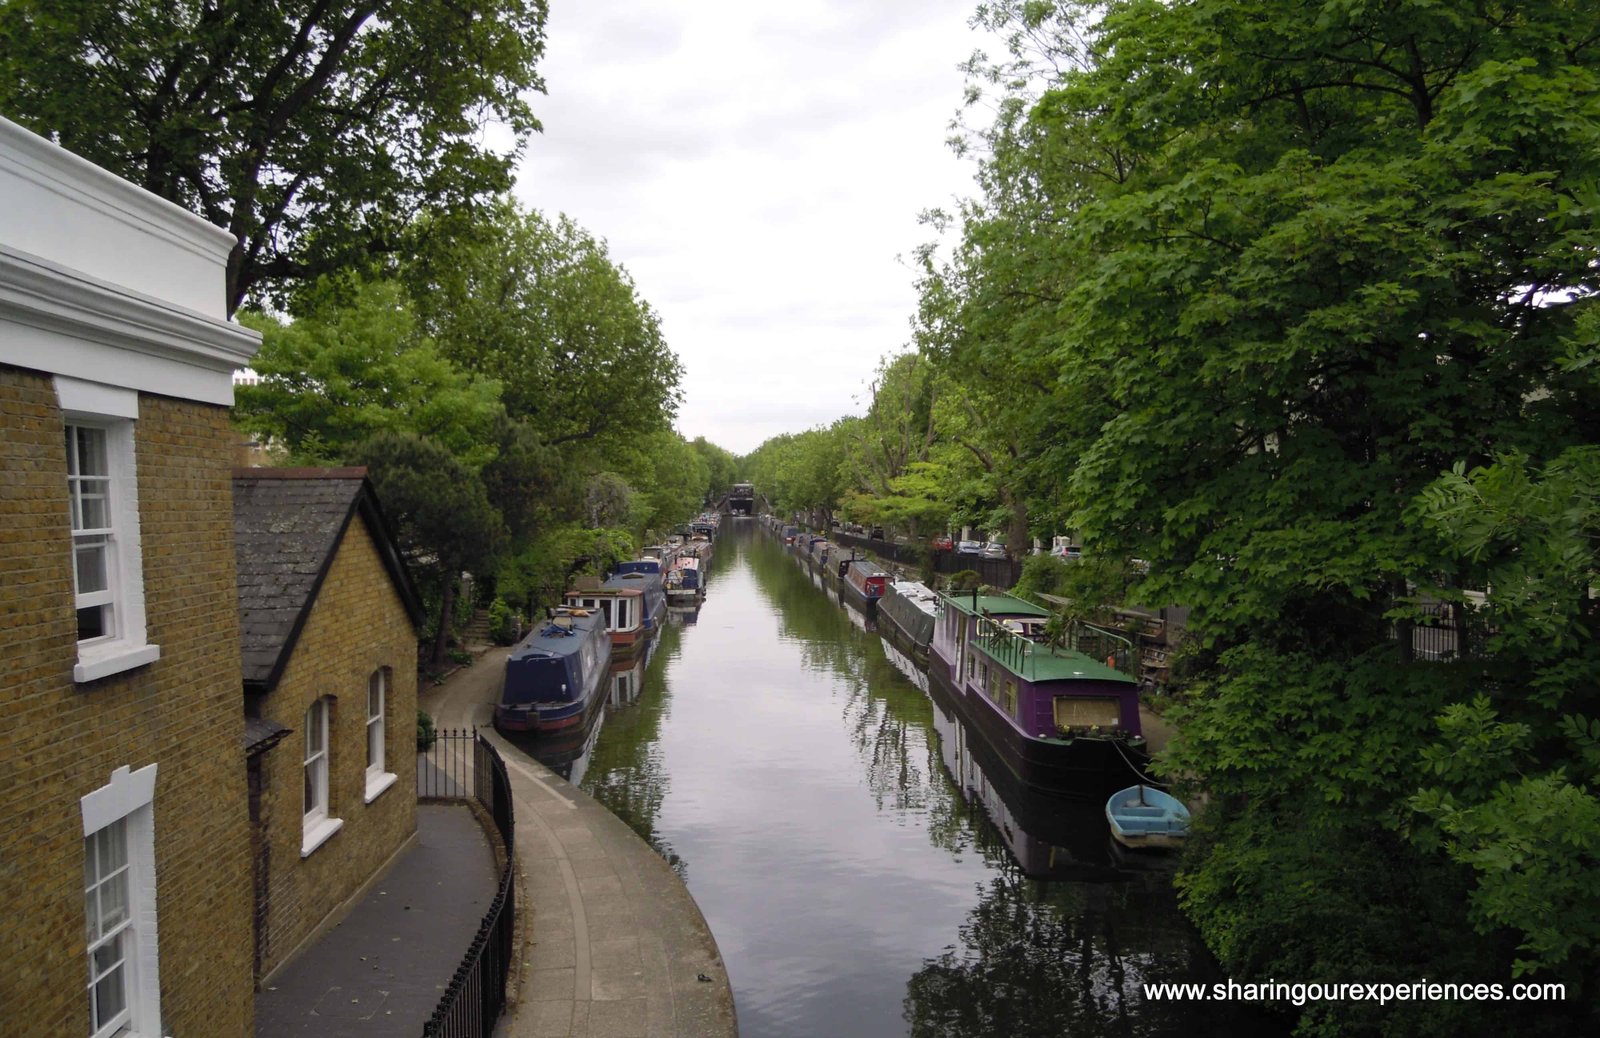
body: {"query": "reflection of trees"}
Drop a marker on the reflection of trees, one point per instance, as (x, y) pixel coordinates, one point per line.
(624, 774)
(887, 717)
(1067, 958)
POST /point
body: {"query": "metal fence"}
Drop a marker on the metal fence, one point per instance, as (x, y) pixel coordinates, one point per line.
(1445, 631)
(459, 764)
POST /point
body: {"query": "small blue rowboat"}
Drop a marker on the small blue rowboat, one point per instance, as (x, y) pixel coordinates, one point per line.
(1143, 816)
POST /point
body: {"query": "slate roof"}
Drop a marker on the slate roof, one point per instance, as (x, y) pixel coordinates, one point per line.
(287, 527)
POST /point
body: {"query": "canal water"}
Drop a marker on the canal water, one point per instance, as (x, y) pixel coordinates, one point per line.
(864, 869)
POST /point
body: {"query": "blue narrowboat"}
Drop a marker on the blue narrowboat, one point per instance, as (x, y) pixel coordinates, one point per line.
(652, 586)
(554, 675)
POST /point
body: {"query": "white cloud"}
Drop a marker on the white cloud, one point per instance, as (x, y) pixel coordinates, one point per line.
(757, 169)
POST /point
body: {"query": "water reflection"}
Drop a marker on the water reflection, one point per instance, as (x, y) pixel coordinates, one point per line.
(863, 873)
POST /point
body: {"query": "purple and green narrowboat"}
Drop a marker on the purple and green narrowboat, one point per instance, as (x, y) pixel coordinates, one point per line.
(1061, 722)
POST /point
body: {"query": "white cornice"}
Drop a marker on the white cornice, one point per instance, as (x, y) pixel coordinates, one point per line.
(75, 318)
(27, 155)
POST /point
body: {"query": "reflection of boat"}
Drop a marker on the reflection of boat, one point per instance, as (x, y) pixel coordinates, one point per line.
(1143, 816)
(553, 676)
(1058, 720)
(625, 679)
(907, 666)
(1050, 837)
(906, 614)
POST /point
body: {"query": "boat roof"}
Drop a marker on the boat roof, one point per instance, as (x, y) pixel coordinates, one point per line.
(607, 589)
(994, 604)
(1046, 663)
(551, 639)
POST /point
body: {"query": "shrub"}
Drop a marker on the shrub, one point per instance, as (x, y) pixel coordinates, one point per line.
(502, 630)
(426, 735)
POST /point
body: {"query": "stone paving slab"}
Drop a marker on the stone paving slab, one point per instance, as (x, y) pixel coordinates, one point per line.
(381, 970)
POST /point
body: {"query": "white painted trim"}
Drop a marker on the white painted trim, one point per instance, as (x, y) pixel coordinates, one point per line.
(131, 795)
(129, 647)
(34, 158)
(96, 398)
(115, 658)
(124, 794)
(376, 784)
(318, 834)
(89, 329)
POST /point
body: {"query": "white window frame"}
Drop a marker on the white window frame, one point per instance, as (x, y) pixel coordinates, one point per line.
(126, 806)
(317, 823)
(378, 779)
(113, 412)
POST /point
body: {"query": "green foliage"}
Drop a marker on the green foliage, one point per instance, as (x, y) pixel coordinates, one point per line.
(1242, 281)
(539, 306)
(502, 622)
(349, 368)
(427, 735)
(278, 121)
(964, 580)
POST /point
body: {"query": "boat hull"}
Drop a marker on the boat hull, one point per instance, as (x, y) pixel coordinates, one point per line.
(1146, 818)
(1081, 768)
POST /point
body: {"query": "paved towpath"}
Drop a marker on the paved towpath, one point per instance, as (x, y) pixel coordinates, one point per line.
(381, 970)
(617, 946)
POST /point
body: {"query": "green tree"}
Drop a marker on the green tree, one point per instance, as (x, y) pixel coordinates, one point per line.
(539, 306)
(443, 518)
(1260, 273)
(312, 132)
(354, 365)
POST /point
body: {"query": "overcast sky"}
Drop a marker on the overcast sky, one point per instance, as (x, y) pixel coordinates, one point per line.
(758, 168)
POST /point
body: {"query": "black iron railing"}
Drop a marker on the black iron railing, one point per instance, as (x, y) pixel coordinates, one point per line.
(460, 764)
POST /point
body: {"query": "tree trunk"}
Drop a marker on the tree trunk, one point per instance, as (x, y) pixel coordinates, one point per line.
(447, 601)
(1017, 536)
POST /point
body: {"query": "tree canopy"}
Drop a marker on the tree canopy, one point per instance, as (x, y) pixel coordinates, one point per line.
(314, 133)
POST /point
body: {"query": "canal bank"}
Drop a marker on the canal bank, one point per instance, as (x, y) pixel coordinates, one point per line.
(613, 945)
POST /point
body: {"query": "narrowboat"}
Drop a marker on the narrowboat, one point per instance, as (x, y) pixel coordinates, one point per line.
(906, 614)
(653, 589)
(621, 605)
(864, 581)
(683, 579)
(553, 676)
(1059, 721)
(662, 553)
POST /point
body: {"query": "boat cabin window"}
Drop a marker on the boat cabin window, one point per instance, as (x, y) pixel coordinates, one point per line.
(625, 620)
(1008, 697)
(1084, 711)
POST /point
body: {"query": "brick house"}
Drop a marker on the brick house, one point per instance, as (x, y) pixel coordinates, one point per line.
(125, 854)
(327, 624)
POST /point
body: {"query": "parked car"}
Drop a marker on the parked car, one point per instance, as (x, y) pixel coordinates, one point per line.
(876, 534)
(993, 550)
(1068, 553)
(943, 542)
(969, 548)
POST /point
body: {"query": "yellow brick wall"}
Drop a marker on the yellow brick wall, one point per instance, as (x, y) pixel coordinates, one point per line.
(357, 625)
(60, 741)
